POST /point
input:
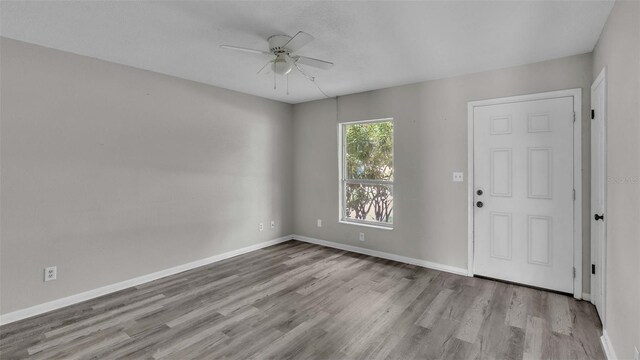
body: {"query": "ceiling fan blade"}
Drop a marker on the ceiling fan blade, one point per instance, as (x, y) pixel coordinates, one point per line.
(237, 48)
(320, 64)
(298, 41)
(267, 67)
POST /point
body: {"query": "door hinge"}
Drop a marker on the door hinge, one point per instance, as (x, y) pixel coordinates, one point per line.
(593, 269)
(574, 194)
(574, 272)
(593, 114)
(574, 116)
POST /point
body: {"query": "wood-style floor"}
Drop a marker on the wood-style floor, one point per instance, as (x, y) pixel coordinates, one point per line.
(301, 301)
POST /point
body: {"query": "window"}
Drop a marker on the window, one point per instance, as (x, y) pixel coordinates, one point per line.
(366, 172)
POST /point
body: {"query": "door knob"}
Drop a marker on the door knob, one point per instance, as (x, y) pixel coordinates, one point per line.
(479, 204)
(479, 192)
(598, 217)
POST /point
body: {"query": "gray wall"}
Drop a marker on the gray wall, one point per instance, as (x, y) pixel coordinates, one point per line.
(111, 172)
(619, 50)
(430, 214)
(107, 166)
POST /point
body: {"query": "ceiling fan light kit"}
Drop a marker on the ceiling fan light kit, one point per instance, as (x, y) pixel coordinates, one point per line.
(282, 49)
(281, 65)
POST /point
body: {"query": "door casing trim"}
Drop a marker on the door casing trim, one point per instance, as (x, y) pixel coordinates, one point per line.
(577, 174)
(602, 262)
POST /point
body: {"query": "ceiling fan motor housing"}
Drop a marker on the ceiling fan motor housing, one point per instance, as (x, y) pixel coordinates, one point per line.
(277, 42)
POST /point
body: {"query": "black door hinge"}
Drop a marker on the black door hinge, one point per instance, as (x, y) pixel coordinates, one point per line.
(593, 269)
(593, 114)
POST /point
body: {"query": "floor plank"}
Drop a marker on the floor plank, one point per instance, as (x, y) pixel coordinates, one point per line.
(301, 301)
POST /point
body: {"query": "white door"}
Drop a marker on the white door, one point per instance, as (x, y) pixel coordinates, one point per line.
(523, 192)
(598, 192)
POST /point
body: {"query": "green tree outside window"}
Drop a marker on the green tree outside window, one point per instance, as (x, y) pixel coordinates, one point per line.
(368, 171)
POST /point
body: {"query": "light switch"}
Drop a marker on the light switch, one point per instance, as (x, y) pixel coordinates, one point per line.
(458, 176)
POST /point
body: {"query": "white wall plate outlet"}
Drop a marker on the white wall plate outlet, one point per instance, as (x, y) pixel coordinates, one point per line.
(458, 176)
(261, 226)
(273, 224)
(50, 273)
(361, 237)
(319, 222)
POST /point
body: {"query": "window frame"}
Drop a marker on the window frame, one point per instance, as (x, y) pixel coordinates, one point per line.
(342, 180)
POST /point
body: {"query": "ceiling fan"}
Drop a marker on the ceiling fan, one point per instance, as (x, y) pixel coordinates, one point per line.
(282, 48)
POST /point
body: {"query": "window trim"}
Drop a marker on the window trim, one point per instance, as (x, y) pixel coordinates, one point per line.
(342, 180)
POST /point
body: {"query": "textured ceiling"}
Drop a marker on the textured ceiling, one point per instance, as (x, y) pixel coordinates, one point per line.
(373, 44)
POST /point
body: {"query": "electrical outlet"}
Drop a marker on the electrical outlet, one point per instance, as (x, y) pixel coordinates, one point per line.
(261, 226)
(319, 222)
(458, 177)
(361, 237)
(50, 273)
(273, 224)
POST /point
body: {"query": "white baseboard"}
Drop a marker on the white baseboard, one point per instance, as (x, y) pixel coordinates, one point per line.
(87, 295)
(384, 255)
(586, 297)
(607, 347)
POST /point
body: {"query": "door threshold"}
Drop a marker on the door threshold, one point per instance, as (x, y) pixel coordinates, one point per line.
(524, 285)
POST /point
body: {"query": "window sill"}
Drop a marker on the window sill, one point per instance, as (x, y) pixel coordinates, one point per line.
(366, 225)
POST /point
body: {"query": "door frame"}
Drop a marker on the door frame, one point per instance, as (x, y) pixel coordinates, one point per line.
(602, 262)
(577, 174)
